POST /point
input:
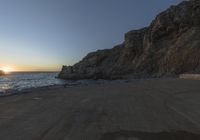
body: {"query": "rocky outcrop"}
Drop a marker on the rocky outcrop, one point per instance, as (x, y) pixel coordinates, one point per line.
(2, 73)
(169, 46)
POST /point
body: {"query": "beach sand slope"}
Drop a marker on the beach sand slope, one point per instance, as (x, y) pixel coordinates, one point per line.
(164, 109)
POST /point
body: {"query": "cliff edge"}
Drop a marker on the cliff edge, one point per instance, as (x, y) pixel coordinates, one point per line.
(169, 46)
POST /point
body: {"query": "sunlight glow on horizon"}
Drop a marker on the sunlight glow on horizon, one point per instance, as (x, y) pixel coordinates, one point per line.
(28, 56)
(45, 35)
(26, 68)
(7, 69)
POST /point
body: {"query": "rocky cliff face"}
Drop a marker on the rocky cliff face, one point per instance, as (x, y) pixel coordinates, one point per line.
(169, 46)
(2, 73)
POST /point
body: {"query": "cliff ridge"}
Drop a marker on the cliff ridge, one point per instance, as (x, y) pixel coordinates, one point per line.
(169, 46)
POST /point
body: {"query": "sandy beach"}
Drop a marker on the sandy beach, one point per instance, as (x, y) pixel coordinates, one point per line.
(162, 109)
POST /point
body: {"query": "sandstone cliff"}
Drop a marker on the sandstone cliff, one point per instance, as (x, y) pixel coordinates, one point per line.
(169, 46)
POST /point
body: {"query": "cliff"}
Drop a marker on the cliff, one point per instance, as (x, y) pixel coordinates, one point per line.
(169, 46)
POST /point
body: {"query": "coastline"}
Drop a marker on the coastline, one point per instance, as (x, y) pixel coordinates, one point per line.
(27, 90)
(157, 109)
(74, 83)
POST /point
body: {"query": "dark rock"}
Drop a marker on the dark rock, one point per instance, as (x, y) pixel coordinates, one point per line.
(2, 73)
(169, 46)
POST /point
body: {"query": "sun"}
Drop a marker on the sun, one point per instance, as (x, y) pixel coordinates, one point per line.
(7, 69)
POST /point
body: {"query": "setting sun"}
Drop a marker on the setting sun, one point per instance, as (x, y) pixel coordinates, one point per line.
(7, 69)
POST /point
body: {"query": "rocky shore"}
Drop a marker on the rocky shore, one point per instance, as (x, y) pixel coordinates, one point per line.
(169, 46)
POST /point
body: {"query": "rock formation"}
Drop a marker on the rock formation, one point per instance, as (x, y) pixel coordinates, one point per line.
(169, 46)
(2, 73)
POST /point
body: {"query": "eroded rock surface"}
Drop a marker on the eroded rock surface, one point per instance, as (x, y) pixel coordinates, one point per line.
(2, 73)
(169, 46)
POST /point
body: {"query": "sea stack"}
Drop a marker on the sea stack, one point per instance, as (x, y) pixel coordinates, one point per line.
(169, 46)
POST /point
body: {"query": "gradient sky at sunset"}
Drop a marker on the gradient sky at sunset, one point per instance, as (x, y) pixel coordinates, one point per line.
(43, 35)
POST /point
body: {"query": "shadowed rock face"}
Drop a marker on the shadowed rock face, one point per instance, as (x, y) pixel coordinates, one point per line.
(169, 46)
(2, 73)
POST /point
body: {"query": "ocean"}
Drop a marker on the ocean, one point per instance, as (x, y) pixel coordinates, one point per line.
(18, 81)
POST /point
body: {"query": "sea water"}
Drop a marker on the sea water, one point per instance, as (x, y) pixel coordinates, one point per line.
(18, 81)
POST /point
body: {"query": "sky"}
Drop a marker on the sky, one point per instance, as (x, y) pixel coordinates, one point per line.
(43, 35)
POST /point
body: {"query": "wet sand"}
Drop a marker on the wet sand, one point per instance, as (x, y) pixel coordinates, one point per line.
(148, 110)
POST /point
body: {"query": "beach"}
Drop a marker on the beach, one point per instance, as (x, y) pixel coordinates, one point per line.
(155, 109)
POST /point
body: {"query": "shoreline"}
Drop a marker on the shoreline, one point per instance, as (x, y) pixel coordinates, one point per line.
(75, 83)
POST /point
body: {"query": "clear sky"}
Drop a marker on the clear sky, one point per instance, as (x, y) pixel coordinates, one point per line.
(46, 34)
